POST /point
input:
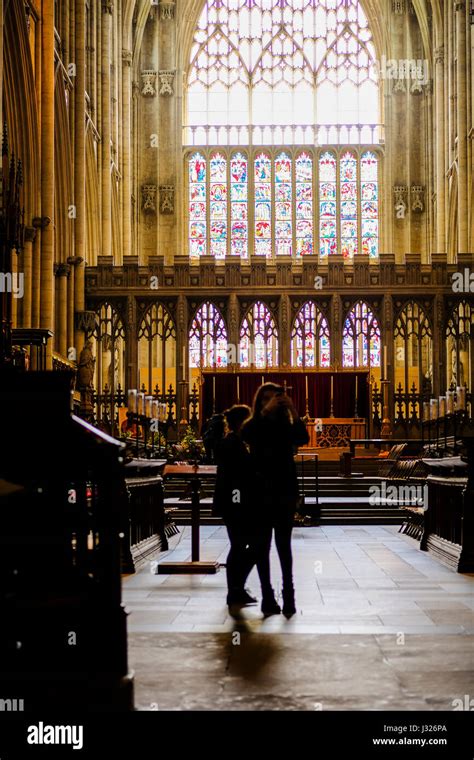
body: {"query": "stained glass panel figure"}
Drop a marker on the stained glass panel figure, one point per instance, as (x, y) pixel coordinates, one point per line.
(283, 206)
(263, 205)
(369, 204)
(327, 204)
(304, 205)
(348, 175)
(259, 338)
(239, 206)
(218, 206)
(197, 206)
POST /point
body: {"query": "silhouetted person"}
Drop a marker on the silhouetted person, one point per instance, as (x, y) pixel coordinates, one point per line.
(234, 501)
(273, 433)
(212, 434)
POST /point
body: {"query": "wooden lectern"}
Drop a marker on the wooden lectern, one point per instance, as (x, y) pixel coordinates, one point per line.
(193, 473)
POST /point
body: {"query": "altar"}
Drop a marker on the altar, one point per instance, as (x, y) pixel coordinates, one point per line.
(334, 405)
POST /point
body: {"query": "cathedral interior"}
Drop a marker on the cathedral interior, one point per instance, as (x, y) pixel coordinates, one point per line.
(198, 197)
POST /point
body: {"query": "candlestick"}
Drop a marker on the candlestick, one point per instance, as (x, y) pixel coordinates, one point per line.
(356, 411)
(385, 362)
(306, 385)
(132, 401)
(442, 406)
(213, 394)
(238, 389)
(263, 379)
(449, 402)
(331, 414)
(148, 406)
(460, 397)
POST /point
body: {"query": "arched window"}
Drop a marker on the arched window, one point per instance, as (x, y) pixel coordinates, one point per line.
(460, 346)
(348, 208)
(310, 346)
(413, 349)
(239, 205)
(361, 338)
(208, 338)
(286, 72)
(108, 348)
(304, 204)
(369, 193)
(327, 204)
(259, 338)
(157, 349)
(218, 206)
(197, 206)
(263, 205)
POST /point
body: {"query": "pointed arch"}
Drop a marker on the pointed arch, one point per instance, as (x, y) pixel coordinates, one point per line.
(361, 344)
(207, 338)
(259, 338)
(310, 340)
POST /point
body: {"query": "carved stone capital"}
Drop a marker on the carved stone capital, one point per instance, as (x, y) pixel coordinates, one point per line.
(62, 270)
(167, 9)
(75, 261)
(30, 234)
(41, 222)
(460, 6)
(439, 54)
(399, 84)
(149, 199)
(85, 321)
(417, 198)
(400, 206)
(107, 6)
(149, 83)
(399, 7)
(127, 57)
(166, 82)
(166, 199)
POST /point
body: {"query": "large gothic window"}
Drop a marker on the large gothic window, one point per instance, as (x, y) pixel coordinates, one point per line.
(265, 76)
(264, 205)
(208, 338)
(282, 72)
(361, 338)
(157, 349)
(259, 338)
(310, 346)
(460, 346)
(413, 349)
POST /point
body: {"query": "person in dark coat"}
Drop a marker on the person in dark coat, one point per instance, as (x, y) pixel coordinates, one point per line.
(234, 500)
(273, 434)
(212, 433)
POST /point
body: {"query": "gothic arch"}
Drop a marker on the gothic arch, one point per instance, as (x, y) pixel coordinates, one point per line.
(20, 106)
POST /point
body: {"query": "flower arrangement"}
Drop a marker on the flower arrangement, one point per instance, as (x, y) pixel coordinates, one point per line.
(190, 447)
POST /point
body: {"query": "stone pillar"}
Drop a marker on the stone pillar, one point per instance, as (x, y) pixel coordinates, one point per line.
(36, 275)
(126, 151)
(105, 125)
(131, 345)
(461, 116)
(285, 330)
(233, 323)
(78, 275)
(46, 284)
(440, 153)
(72, 262)
(336, 331)
(62, 272)
(30, 235)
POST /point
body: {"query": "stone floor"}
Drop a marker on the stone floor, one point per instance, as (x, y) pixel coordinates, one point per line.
(380, 626)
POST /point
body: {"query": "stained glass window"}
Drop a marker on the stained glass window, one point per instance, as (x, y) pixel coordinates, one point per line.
(283, 205)
(310, 344)
(157, 348)
(263, 205)
(369, 204)
(208, 338)
(218, 206)
(304, 204)
(361, 338)
(239, 205)
(197, 206)
(327, 204)
(259, 338)
(295, 65)
(348, 171)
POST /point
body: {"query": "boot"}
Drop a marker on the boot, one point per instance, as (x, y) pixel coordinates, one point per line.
(289, 608)
(269, 604)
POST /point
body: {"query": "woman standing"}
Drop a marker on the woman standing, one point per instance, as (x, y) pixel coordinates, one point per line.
(273, 433)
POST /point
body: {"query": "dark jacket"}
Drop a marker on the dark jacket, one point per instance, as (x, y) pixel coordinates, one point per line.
(273, 444)
(234, 481)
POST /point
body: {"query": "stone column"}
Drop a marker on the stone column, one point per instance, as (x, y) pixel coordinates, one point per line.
(30, 235)
(126, 151)
(131, 345)
(46, 284)
(62, 272)
(73, 263)
(440, 153)
(78, 275)
(461, 116)
(106, 129)
(233, 327)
